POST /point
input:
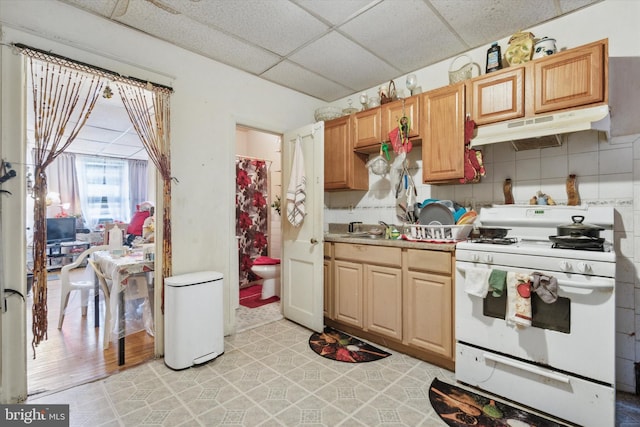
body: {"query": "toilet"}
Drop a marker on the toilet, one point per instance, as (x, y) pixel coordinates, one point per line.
(269, 269)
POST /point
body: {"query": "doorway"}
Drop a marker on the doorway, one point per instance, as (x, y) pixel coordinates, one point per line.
(76, 353)
(258, 158)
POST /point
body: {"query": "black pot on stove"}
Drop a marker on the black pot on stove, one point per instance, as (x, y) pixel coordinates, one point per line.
(578, 235)
(579, 229)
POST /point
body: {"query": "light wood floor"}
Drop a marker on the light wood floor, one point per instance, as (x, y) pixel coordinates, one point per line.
(74, 355)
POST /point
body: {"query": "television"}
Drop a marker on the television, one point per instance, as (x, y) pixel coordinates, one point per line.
(61, 230)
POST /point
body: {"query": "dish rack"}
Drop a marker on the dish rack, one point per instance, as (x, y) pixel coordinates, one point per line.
(437, 233)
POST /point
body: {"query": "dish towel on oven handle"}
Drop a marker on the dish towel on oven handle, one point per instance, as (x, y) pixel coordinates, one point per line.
(497, 282)
(518, 299)
(476, 281)
(297, 187)
(545, 286)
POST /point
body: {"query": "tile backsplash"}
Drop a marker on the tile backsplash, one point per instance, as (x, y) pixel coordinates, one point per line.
(607, 173)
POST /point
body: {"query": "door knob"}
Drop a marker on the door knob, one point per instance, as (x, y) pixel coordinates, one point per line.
(313, 241)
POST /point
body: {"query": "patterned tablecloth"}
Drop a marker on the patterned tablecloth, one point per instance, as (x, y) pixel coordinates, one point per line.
(126, 274)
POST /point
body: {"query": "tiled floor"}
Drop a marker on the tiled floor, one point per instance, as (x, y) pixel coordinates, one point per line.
(249, 318)
(268, 376)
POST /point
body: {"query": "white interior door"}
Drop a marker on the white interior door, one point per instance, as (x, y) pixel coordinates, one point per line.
(302, 257)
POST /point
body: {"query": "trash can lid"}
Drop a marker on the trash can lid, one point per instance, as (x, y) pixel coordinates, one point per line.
(193, 278)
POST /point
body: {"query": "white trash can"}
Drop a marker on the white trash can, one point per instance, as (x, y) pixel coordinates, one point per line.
(193, 319)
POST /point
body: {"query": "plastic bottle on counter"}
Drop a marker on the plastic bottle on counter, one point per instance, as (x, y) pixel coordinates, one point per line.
(494, 58)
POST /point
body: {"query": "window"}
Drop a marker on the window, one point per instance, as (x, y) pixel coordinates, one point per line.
(104, 189)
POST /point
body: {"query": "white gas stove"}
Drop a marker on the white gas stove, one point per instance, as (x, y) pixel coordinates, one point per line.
(562, 362)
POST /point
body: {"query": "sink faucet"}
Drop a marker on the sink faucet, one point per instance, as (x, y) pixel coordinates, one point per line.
(354, 226)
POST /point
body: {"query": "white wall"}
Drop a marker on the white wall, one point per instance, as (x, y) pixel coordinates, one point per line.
(608, 173)
(209, 99)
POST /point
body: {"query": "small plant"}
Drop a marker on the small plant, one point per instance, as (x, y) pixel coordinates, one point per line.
(276, 205)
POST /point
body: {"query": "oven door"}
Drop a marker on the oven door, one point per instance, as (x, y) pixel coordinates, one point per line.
(576, 334)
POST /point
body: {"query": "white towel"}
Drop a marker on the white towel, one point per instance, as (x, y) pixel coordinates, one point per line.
(297, 185)
(476, 281)
(518, 299)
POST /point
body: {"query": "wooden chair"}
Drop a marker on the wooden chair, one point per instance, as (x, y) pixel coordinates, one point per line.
(84, 286)
(106, 291)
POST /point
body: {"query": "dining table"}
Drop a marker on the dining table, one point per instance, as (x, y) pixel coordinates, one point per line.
(126, 272)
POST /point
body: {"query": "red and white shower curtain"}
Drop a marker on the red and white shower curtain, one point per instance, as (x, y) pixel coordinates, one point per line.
(251, 215)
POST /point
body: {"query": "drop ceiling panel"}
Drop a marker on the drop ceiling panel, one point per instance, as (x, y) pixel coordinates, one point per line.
(292, 75)
(115, 150)
(111, 116)
(357, 69)
(130, 138)
(336, 11)
(199, 38)
(412, 34)
(89, 132)
(279, 26)
(481, 22)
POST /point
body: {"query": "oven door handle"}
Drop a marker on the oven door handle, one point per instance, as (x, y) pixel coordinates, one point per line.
(597, 286)
(526, 367)
(601, 286)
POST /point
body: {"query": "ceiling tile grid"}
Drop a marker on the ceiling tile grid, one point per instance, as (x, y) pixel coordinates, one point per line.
(327, 49)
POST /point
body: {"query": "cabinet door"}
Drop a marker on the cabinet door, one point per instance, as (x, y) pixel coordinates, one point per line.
(367, 128)
(428, 313)
(343, 169)
(348, 286)
(498, 96)
(392, 112)
(442, 117)
(383, 312)
(570, 79)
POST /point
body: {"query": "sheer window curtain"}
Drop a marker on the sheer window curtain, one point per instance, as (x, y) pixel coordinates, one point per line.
(103, 177)
(63, 179)
(138, 177)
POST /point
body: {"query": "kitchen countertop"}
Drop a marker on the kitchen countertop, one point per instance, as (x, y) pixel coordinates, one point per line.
(396, 243)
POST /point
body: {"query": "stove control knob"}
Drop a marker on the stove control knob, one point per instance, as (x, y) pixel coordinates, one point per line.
(565, 266)
(488, 259)
(583, 267)
(475, 257)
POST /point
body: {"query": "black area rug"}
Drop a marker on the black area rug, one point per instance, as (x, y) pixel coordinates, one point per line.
(459, 408)
(339, 346)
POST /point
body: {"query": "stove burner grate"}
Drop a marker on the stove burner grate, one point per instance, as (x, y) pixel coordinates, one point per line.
(495, 240)
(595, 247)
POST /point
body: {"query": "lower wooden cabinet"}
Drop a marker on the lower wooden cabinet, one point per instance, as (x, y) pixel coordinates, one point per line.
(383, 294)
(428, 313)
(400, 298)
(348, 286)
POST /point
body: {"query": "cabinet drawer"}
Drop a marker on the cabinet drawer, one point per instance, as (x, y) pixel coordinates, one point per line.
(369, 254)
(327, 250)
(438, 262)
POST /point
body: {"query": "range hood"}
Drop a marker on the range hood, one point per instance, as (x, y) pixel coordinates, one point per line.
(544, 130)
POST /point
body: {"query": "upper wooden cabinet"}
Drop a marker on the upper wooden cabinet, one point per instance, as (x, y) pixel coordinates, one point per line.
(344, 169)
(392, 112)
(372, 126)
(442, 114)
(367, 128)
(498, 96)
(572, 78)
